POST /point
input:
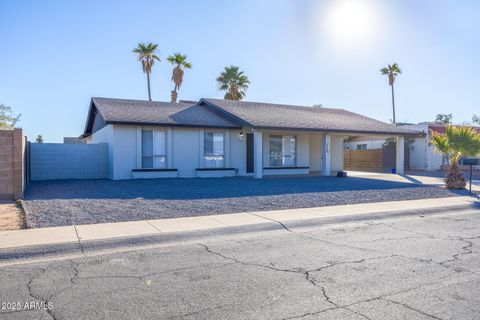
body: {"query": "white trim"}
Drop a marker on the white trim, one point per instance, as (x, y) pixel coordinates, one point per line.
(400, 154)
(201, 154)
(154, 174)
(285, 171)
(169, 148)
(139, 147)
(258, 154)
(281, 135)
(154, 142)
(226, 149)
(326, 155)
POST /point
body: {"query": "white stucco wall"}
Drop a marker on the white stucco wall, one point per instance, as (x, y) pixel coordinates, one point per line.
(434, 159)
(105, 135)
(418, 154)
(315, 153)
(186, 151)
(423, 156)
(238, 151)
(336, 161)
(124, 151)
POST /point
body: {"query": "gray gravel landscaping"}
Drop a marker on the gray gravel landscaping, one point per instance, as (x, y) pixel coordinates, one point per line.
(67, 202)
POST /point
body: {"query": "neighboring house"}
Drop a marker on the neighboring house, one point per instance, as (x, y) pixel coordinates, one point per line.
(213, 138)
(365, 143)
(73, 140)
(423, 155)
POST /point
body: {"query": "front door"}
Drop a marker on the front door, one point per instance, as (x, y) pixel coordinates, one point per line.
(249, 152)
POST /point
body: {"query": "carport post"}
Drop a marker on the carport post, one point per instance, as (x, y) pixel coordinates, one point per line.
(326, 152)
(258, 154)
(400, 155)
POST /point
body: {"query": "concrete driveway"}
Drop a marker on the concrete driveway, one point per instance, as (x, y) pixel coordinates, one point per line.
(422, 178)
(408, 268)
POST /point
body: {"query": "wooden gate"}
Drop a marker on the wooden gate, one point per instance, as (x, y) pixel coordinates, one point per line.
(364, 160)
(373, 160)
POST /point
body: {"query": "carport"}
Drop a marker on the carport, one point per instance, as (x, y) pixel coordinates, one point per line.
(377, 153)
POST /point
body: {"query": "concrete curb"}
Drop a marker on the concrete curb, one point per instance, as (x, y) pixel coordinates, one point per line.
(128, 243)
(26, 213)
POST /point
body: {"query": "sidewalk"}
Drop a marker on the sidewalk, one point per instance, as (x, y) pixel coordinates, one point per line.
(85, 233)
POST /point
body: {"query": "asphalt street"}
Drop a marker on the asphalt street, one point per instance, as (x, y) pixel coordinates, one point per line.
(417, 267)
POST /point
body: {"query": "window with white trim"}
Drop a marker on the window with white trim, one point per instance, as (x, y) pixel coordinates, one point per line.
(282, 151)
(361, 146)
(214, 149)
(154, 149)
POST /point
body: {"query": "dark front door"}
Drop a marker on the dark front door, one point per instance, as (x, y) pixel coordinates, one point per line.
(249, 152)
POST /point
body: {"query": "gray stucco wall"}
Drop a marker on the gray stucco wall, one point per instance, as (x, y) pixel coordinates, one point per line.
(52, 161)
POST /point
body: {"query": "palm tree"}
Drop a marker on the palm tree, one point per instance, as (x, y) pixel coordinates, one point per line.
(457, 142)
(180, 62)
(392, 71)
(147, 56)
(234, 82)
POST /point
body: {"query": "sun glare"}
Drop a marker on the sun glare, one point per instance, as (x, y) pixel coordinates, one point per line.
(350, 22)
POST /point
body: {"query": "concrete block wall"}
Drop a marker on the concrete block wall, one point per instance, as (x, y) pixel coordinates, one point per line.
(56, 161)
(12, 151)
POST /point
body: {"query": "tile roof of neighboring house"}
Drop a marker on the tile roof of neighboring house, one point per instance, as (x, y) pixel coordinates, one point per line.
(233, 114)
(281, 116)
(441, 128)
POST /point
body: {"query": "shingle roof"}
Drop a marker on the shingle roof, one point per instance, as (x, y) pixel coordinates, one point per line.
(161, 113)
(281, 116)
(234, 114)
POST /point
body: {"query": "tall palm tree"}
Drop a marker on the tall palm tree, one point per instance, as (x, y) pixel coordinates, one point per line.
(234, 82)
(392, 71)
(147, 56)
(457, 142)
(180, 62)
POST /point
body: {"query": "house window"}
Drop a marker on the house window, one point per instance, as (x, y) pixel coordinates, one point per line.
(282, 151)
(154, 149)
(213, 149)
(361, 147)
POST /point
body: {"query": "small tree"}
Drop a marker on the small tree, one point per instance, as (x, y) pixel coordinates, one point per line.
(476, 119)
(39, 139)
(457, 142)
(444, 118)
(7, 119)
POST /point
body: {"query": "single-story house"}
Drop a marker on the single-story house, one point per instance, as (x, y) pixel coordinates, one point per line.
(217, 138)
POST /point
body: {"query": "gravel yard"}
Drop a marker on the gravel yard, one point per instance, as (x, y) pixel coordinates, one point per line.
(57, 203)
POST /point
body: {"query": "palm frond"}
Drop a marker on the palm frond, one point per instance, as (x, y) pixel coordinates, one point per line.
(234, 82)
(146, 55)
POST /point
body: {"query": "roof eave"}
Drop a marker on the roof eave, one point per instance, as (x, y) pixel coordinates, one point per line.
(166, 124)
(88, 124)
(346, 131)
(224, 113)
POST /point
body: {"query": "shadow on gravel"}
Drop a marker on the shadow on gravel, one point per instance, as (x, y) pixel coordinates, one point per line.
(213, 188)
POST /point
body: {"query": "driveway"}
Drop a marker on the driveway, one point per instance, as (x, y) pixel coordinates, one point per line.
(57, 203)
(408, 268)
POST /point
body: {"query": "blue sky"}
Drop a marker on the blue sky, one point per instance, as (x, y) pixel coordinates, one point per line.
(56, 55)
